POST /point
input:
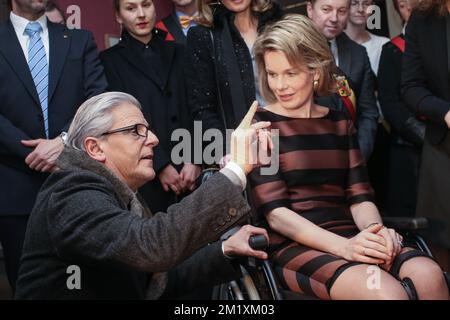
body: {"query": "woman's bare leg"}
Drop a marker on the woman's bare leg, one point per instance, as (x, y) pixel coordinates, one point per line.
(360, 282)
(428, 278)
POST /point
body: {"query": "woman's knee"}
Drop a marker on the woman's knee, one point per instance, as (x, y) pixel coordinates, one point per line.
(367, 285)
(422, 271)
(427, 276)
(391, 291)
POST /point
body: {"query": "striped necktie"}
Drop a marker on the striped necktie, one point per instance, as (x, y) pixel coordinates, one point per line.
(37, 62)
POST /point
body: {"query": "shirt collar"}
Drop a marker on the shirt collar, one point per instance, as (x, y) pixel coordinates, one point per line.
(129, 40)
(404, 29)
(179, 14)
(20, 23)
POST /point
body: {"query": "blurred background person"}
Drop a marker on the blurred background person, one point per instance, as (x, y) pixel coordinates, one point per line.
(360, 11)
(426, 90)
(220, 70)
(407, 131)
(47, 71)
(331, 17)
(54, 13)
(178, 23)
(359, 14)
(146, 66)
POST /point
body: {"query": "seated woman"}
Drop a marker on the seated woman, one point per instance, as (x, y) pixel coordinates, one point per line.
(327, 233)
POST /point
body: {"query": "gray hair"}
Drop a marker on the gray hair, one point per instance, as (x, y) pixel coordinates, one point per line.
(95, 117)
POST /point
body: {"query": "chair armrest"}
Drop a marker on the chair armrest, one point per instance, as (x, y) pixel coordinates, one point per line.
(406, 224)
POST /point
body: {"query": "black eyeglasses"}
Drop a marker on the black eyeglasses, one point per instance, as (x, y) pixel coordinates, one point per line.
(139, 129)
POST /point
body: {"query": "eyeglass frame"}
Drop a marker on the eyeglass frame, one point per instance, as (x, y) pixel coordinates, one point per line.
(355, 3)
(129, 128)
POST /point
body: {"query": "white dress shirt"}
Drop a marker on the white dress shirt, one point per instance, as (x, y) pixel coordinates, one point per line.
(20, 23)
(374, 47)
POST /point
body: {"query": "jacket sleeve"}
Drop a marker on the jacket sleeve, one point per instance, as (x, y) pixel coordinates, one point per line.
(86, 224)
(201, 79)
(394, 109)
(367, 110)
(206, 268)
(414, 82)
(10, 140)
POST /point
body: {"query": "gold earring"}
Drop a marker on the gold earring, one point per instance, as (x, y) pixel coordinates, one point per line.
(316, 84)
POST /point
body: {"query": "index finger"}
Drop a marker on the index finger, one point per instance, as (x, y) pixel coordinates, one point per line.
(247, 121)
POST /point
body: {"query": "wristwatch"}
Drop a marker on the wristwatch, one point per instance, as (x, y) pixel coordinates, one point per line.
(63, 136)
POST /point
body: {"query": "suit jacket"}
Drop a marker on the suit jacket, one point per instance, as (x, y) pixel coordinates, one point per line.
(171, 25)
(426, 72)
(354, 62)
(75, 74)
(163, 98)
(85, 216)
(406, 129)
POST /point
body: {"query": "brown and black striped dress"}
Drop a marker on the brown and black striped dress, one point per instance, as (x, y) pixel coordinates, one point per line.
(321, 174)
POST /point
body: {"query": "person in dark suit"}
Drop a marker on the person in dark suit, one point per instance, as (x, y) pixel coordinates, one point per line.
(179, 21)
(407, 131)
(426, 90)
(39, 95)
(330, 16)
(146, 66)
(93, 236)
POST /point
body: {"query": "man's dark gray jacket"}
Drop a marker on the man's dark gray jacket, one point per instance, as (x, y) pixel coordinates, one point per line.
(85, 217)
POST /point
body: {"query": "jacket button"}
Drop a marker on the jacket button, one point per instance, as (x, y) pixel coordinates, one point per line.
(232, 212)
(221, 222)
(228, 219)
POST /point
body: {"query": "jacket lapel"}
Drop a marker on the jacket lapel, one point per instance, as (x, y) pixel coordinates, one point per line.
(173, 25)
(13, 53)
(59, 40)
(344, 54)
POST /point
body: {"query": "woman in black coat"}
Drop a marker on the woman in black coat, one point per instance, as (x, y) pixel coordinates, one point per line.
(146, 66)
(407, 131)
(426, 89)
(220, 76)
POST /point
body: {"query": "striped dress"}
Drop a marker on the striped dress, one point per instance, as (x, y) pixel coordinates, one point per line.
(321, 174)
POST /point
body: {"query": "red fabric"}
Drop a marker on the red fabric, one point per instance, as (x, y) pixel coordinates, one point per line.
(347, 101)
(160, 25)
(400, 43)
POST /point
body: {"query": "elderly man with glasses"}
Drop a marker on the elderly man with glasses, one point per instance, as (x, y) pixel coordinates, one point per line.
(94, 238)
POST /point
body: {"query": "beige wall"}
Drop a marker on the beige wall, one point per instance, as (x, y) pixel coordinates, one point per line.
(395, 22)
